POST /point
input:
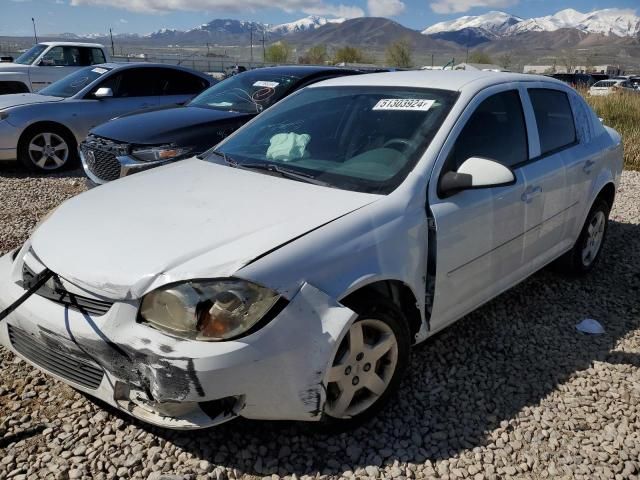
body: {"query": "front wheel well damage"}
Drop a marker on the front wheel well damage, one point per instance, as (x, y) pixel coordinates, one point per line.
(395, 291)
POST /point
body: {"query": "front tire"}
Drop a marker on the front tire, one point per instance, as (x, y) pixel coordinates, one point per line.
(47, 148)
(584, 255)
(367, 367)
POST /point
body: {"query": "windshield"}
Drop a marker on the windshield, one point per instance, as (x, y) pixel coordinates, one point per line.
(72, 84)
(365, 139)
(28, 57)
(248, 92)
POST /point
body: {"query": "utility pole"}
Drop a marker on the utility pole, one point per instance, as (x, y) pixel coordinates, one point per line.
(35, 34)
(432, 61)
(113, 50)
(208, 49)
(467, 59)
(251, 33)
(264, 52)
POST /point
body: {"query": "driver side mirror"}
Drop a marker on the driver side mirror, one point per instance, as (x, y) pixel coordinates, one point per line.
(103, 92)
(476, 172)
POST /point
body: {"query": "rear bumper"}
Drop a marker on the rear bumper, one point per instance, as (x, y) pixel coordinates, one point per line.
(276, 373)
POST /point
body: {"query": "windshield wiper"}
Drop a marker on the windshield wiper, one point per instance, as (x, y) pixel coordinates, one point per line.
(283, 172)
(271, 167)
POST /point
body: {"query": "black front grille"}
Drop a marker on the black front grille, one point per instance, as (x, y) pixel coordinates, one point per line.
(100, 155)
(55, 291)
(72, 365)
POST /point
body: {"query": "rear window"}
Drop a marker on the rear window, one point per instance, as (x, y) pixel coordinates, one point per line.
(554, 119)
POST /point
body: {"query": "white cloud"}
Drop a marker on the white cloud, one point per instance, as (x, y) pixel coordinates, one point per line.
(385, 8)
(122, 20)
(459, 6)
(315, 7)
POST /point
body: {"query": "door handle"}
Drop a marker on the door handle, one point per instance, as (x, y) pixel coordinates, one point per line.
(530, 193)
(588, 166)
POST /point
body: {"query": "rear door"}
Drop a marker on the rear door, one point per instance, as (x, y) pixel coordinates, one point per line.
(177, 86)
(548, 197)
(480, 232)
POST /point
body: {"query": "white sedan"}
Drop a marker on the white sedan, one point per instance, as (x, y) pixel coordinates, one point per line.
(286, 273)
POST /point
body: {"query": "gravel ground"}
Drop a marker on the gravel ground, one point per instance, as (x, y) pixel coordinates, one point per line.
(512, 390)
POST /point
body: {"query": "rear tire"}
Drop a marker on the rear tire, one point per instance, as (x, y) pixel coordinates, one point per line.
(367, 368)
(47, 148)
(584, 255)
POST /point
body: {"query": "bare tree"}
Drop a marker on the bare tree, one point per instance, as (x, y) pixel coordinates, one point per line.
(316, 55)
(349, 55)
(277, 53)
(479, 57)
(505, 60)
(399, 54)
(569, 62)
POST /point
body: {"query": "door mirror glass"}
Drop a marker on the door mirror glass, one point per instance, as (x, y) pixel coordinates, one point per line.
(476, 172)
(103, 92)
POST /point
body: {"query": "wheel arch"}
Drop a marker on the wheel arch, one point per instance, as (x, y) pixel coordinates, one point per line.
(48, 123)
(607, 193)
(396, 291)
(13, 86)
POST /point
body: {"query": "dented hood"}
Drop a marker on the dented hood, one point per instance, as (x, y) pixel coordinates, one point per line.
(191, 219)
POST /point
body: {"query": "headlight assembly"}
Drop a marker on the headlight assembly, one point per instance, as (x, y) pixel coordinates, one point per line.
(211, 310)
(166, 152)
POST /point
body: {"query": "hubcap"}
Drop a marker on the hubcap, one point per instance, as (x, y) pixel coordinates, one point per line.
(362, 369)
(595, 234)
(48, 151)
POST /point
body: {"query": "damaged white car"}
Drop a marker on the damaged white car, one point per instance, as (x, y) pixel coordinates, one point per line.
(286, 273)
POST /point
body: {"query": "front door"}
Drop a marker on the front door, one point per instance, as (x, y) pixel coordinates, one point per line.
(56, 63)
(480, 232)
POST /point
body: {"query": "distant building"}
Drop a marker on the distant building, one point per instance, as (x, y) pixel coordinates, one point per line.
(603, 69)
(487, 67)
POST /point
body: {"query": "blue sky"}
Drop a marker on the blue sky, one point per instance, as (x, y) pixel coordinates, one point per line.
(143, 16)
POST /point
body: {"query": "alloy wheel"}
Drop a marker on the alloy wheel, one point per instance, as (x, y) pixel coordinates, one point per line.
(362, 369)
(595, 234)
(48, 151)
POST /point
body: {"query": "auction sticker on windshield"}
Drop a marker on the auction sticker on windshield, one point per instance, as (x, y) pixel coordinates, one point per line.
(416, 104)
(99, 70)
(263, 83)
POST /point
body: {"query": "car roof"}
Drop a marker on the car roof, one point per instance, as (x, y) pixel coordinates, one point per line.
(455, 80)
(125, 65)
(304, 70)
(73, 44)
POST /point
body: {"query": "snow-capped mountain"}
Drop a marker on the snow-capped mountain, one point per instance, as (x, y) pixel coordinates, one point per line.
(304, 24)
(610, 21)
(494, 22)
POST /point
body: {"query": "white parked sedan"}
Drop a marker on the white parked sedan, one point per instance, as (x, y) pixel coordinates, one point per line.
(287, 272)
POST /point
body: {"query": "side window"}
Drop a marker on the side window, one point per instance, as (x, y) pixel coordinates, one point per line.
(556, 126)
(97, 56)
(175, 82)
(53, 58)
(496, 130)
(136, 82)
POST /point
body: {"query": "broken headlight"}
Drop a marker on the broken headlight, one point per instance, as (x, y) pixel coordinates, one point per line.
(208, 309)
(154, 154)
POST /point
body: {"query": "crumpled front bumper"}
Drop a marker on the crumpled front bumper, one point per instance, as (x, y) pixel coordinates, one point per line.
(276, 373)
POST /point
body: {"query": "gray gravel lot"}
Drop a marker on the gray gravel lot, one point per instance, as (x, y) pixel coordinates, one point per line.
(512, 390)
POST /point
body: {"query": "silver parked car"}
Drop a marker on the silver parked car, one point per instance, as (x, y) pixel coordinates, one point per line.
(42, 130)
